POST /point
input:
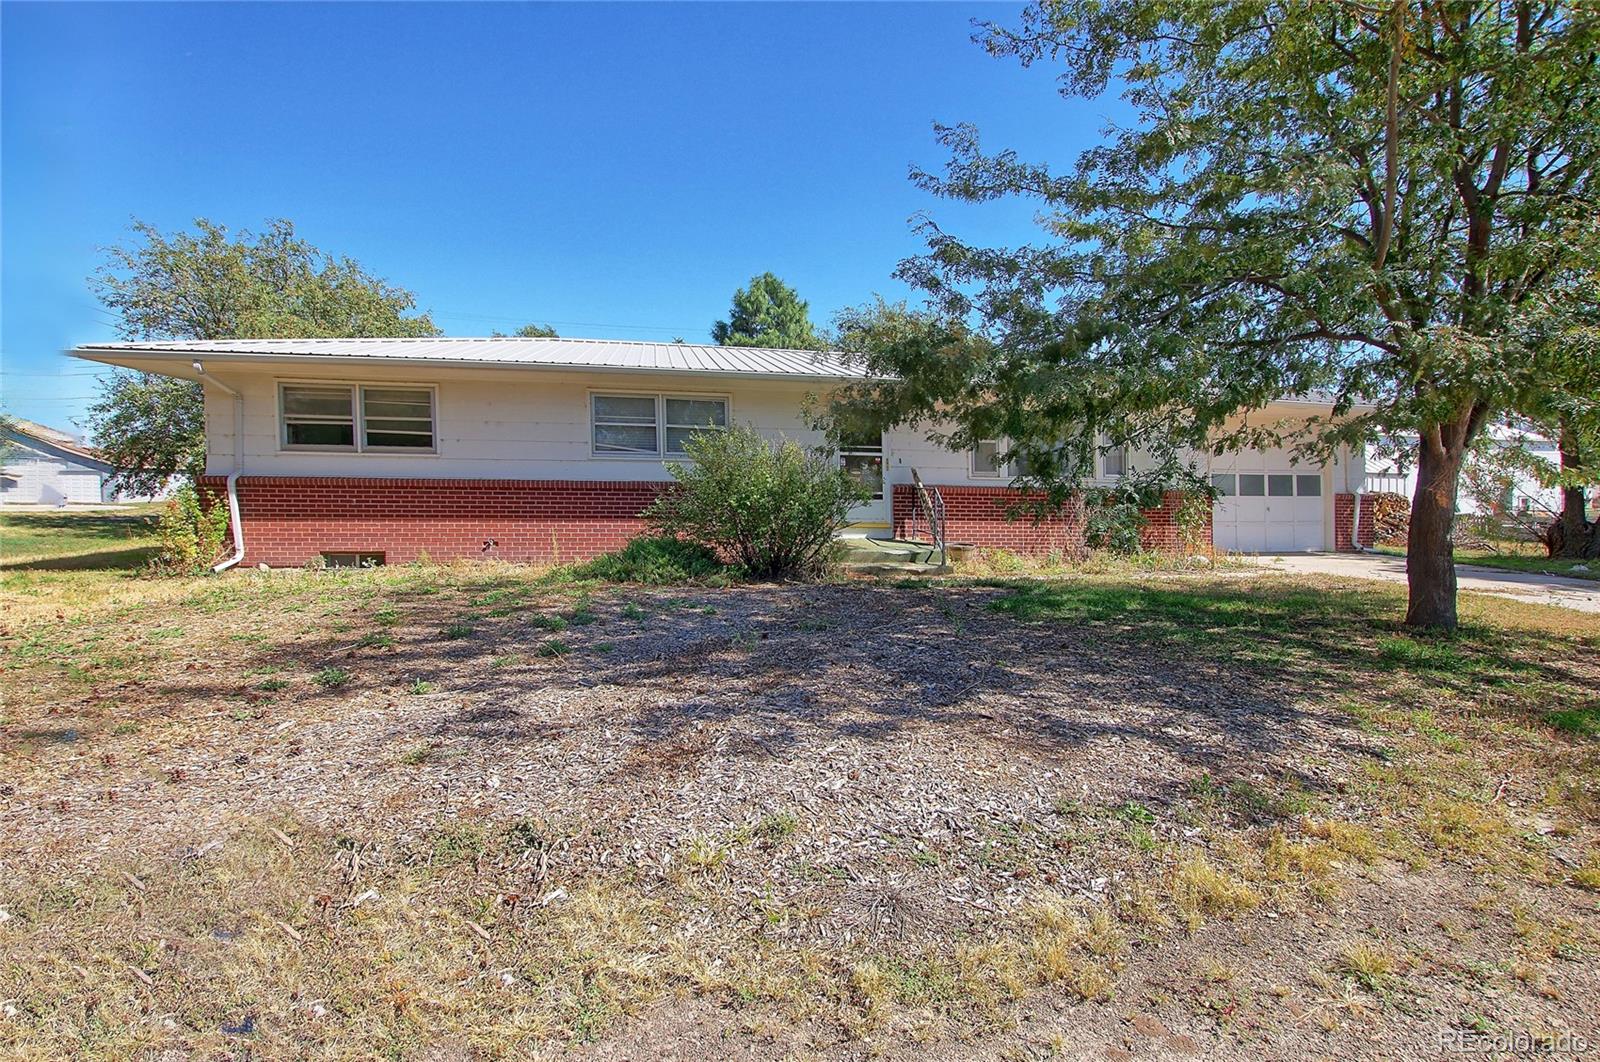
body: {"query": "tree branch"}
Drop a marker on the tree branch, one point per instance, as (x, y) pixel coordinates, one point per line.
(1391, 137)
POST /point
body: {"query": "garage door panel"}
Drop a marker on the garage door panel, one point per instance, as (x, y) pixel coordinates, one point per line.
(1279, 537)
(1249, 538)
(1272, 504)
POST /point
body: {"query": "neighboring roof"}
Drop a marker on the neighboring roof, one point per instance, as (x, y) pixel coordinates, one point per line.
(610, 355)
(60, 440)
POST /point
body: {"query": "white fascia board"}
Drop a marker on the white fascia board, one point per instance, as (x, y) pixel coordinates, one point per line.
(180, 364)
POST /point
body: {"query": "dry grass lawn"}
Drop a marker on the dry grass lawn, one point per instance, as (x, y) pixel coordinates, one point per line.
(486, 811)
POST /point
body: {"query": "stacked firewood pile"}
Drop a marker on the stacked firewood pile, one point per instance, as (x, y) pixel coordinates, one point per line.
(1391, 518)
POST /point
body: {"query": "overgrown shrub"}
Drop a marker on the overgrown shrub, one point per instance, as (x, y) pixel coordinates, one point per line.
(1193, 522)
(190, 534)
(774, 509)
(658, 559)
(1112, 519)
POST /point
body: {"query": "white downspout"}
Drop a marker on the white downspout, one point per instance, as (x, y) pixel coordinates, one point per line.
(235, 524)
(1355, 520)
(1355, 517)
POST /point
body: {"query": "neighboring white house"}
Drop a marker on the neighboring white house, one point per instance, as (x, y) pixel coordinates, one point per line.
(544, 449)
(1392, 468)
(43, 466)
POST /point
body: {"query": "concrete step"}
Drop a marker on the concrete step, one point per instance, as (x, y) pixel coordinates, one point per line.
(886, 556)
(868, 556)
(886, 551)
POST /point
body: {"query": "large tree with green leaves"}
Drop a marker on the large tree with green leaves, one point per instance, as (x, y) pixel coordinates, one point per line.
(150, 428)
(768, 313)
(1367, 198)
(210, 284)
(1563, 333)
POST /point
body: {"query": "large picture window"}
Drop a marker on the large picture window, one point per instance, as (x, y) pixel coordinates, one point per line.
(652, 425)
(356, 417)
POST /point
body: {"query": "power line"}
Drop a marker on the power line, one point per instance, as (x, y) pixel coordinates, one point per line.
(452, 315)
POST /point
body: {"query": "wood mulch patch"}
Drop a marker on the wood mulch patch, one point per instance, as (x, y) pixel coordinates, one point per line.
(908, 766)
(888, 722)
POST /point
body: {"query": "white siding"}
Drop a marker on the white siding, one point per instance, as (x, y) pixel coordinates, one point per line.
(35, 478)
(535, 425)
(1529, 493)
(491, 425)
(906, 450)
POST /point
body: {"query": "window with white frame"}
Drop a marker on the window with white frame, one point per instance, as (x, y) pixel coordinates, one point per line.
(652, 425)
(625, 424)
(396, 418)
(356, 417)
(1114, 461)
(986, 463)
(318, 417)
(684, 417)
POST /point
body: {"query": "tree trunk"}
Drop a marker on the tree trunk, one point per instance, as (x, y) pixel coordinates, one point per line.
(1574, 518)
(1430, 565)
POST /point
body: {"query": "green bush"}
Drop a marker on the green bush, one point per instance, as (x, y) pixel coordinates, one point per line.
(1193, 520)
(657, 559)
(1115, 516)
(1112, 519)
(773, 509)
(189, 534)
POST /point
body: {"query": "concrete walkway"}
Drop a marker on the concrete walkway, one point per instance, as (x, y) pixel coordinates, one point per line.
(1580, 594)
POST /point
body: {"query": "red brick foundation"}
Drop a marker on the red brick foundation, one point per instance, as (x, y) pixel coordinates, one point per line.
(289, 520)
(1344, 507)
(1162, 534)
(988, 517)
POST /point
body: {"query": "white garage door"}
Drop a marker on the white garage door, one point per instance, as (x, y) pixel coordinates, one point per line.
(1268, 504)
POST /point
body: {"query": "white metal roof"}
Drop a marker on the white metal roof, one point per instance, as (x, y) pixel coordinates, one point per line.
(606, 354)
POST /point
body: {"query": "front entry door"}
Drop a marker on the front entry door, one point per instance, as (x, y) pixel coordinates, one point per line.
(862, 460)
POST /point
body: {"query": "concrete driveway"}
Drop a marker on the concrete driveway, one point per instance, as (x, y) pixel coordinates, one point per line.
(1580, 594)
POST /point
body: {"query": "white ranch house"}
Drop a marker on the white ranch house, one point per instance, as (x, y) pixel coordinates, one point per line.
(548, 449)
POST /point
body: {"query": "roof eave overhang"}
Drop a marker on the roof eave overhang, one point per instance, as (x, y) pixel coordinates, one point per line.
(180, 364)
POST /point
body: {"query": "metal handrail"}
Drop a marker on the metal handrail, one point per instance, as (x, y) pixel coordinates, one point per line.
(929, 505)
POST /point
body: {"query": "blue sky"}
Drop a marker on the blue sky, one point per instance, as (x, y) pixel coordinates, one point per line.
(614, 169)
